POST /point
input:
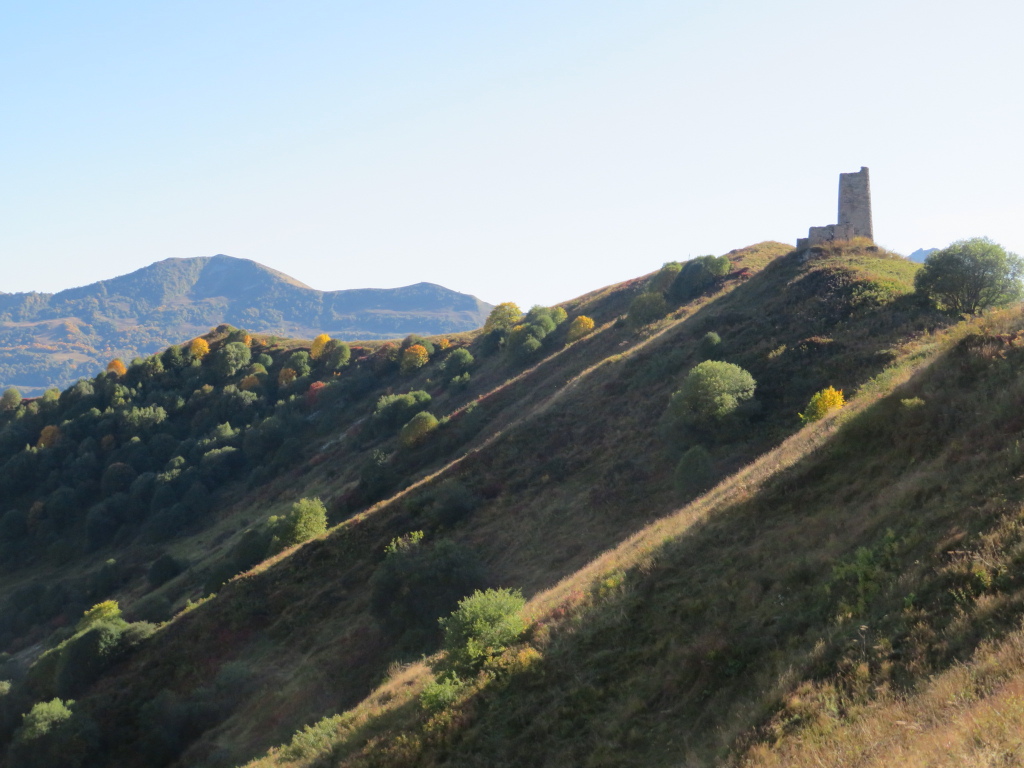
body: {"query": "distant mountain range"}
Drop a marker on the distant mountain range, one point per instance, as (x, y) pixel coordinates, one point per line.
(921, 254)
(54, 339)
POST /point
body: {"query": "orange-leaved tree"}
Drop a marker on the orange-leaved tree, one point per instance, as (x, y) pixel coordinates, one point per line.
(117, 367)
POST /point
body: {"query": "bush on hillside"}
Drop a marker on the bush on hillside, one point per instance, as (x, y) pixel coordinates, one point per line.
(395, 410)
(664, 277)
(646, 309)
(483, 626)
(307, 519)
(458, 362)
(709, 345)
(52, 735)
(578, 328)
(697, 276)
(418, 581)
(416, 431)
(711, 391)
(821, 404)
(693, 473)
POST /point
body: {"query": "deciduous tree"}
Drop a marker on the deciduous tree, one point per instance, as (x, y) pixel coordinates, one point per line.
(970, 276)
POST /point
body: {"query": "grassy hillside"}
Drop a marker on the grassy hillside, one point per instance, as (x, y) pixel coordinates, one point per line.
(686, 640)
(53, 339)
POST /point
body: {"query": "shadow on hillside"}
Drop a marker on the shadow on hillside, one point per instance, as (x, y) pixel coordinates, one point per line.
(855, 570)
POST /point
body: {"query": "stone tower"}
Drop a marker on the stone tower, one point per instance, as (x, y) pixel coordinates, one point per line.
(855, 203)
(854, 212)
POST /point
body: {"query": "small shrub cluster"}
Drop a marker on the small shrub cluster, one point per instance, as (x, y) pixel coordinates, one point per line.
(524, 340)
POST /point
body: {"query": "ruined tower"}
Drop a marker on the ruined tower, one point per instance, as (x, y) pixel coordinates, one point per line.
(854, 212)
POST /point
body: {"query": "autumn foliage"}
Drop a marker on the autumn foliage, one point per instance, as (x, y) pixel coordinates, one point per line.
(198, 349)
(579, 328)
(318, 346)
(823, 403)
(117, 367)
(414, 357)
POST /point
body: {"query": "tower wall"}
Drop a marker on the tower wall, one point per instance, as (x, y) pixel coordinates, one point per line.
(855, 203)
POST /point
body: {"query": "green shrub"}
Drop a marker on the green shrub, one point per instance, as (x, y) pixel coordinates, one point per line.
(52, 735)
(441, 693)
(647, 308)
(693, 472)
(307, 519)
(418, 581)
(697, 276)
(457, 362)
(394, 410)
(88, 655)
(711, 391)
(416, 431)
(483, 626)
(664, 277)
(709, 345)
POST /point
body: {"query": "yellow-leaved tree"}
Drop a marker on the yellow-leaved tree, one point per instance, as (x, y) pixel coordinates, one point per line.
(823, 403)
(503, 317)
(117, 367)
(414, 357)
(318, 346)
(198, 348)
(579, 328)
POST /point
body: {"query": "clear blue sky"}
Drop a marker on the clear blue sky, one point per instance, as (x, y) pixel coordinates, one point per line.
(526, 151)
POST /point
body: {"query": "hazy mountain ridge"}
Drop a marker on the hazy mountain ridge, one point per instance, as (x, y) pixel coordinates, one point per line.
(52, 339)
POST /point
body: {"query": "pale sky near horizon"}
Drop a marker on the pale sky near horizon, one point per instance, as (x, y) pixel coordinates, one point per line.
(527, 151)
